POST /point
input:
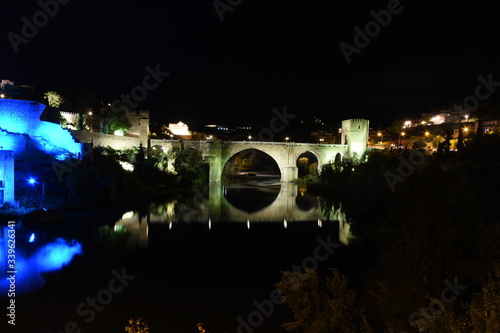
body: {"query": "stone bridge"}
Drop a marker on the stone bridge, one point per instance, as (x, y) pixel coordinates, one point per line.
(286, 154)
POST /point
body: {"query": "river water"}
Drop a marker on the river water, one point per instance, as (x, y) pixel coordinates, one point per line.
(211, 255)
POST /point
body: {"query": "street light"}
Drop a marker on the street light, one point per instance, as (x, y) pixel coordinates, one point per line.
(381, 135)
(32, 181)
(91, 122)
(401, 135)
(287, 138)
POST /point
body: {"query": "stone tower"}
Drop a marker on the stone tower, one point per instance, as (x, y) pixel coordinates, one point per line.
(355, 135)
(144, 132)
(6, 176)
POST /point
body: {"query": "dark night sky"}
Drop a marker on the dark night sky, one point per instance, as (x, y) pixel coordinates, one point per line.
(262, 56)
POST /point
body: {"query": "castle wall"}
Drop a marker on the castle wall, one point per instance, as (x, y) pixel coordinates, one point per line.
(106, 140)
(19, 117)
(138, 119)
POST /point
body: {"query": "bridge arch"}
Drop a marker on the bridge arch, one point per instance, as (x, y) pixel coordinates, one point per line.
(303, 166)
(251, 150)
(275, 151)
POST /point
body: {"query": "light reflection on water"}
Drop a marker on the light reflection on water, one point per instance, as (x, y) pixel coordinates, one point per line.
(280, 204)
(291, 204)
(32, 259)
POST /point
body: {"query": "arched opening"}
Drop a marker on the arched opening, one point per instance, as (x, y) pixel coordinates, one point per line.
(250, 164)
(251, 180)
(307, 165)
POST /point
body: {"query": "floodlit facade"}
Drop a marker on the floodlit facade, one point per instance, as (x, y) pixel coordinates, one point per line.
(6, 177)
(180, 129)
(355, 135)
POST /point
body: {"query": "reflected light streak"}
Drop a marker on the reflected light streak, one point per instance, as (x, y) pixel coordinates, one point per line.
(50, 257)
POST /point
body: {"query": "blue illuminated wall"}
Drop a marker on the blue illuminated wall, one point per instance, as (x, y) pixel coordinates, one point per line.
(6, 176)
(19, 118)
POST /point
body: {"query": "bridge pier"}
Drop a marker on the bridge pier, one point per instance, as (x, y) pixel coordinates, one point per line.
(214, 156)
(289, 173)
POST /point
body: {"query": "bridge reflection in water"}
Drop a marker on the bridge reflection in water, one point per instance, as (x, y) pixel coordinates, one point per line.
(245, 203)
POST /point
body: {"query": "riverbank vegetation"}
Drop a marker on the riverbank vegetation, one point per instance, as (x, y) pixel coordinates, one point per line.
(104, 177)
(426, 251)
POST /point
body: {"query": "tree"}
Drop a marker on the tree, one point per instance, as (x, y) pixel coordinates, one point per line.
(117, 118)
(321, 305)
(437, 140)
(137, 326)
(480, 315)
(460, 139)
(395, 129)
(190, 166)
(54, 99)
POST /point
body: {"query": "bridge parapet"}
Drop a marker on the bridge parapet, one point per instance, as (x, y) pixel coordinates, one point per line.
(286, 154)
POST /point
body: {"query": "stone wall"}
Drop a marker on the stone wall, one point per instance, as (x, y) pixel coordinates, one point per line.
(19, 116)
(6, 176)
(106, 140)
(22, 118)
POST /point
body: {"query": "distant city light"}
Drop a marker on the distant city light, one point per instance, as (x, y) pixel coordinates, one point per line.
(437, 120)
